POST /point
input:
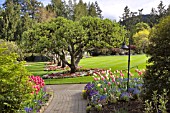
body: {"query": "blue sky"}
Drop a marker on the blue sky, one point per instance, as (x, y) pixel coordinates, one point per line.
(113, 9)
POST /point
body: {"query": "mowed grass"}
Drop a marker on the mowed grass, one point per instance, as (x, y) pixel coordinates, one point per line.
(77, 80)
(102, 62)
(37, 68)
(115, 62)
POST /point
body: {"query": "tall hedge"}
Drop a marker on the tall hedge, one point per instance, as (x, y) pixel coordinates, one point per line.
(157, 75)
(15, 87)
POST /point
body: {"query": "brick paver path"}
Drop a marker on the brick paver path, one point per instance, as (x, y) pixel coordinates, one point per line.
(67, 99)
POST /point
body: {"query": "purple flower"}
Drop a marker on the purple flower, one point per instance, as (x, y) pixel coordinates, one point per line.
(136, 91)
(136, 79)
(44, 89)
(89, 86)
(39, 102)
(131, 90)
(125, 95)
(28, 109)
(102, 97)
(93, 92)
(139, 85)
(125, 79)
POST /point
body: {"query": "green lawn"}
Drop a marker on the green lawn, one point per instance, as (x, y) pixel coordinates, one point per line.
(103, 62)
(37, 68)
(77, 80)
(114, 62)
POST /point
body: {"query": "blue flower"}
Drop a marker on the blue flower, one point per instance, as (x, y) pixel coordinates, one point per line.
(136, 79)
(28, 109)
(120, 79)
(139, 85)
(93, 92)
(136, 91)
(125, 79)
(131, 90)
(105, 81)
(102, 97)
(125, 96)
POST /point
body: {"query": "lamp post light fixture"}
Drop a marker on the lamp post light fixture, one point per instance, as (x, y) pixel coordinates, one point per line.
(126, 47)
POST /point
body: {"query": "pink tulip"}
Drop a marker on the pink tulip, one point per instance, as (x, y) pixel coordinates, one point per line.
(95, 79)
(102, 78)
(121, 74)
(105, 76)
(140, 73)
(112, 76)
(103, 72)
(104, 89)
(113, 79)
(109, 83)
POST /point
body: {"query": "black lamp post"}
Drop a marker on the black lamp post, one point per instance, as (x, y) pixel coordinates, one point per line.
(125, 47)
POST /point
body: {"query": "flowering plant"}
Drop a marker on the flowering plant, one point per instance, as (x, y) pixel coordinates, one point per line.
(67, 74)
(39, 94)
(109, 87)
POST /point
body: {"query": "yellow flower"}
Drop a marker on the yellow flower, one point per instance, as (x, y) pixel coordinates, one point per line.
(83, 91)
(98, 85)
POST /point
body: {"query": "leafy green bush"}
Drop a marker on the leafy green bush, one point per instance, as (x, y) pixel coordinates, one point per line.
(157, 104)
(12, 47)
(14, 85)
(157, 75)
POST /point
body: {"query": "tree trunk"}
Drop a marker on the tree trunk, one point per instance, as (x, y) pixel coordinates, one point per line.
(73, 64)
(63, 65)
(55, 58)
(73, 68)
(64, 59)
(59, 61)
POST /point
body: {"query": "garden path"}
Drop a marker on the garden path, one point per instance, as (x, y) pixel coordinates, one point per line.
(67, 99)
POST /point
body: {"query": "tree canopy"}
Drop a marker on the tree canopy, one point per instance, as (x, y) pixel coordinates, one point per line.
(158, 72)
(74, 38)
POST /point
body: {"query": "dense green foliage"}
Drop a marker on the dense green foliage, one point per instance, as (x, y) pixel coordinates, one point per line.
(140, 40)
(74, 10)
(157, 76)
(15, 88)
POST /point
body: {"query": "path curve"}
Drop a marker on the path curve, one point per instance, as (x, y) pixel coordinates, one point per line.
(67, 99)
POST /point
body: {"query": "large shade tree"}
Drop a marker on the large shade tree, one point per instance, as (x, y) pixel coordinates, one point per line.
(74, 38)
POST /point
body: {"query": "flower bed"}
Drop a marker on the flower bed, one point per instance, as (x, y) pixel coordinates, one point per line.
(54, 68)
(67, 74)
(111, 88)
(39, 96)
